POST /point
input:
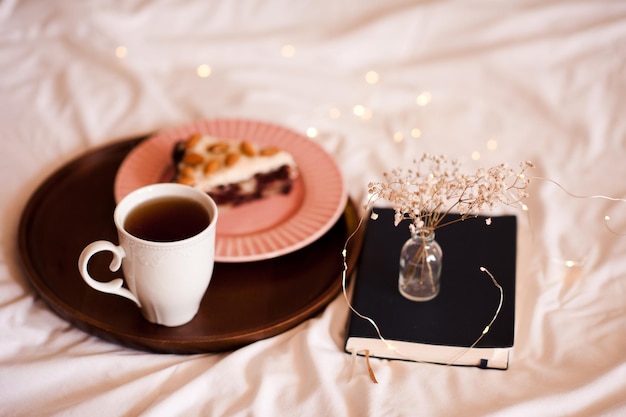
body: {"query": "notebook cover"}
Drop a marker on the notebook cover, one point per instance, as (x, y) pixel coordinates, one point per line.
(467, 299)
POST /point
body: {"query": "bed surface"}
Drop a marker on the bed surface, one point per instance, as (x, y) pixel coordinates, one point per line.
(375, 84)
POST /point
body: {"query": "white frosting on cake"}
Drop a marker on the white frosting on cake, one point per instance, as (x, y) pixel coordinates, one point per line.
(244, 169)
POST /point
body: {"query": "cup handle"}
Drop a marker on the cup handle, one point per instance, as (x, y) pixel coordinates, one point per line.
(111, 287)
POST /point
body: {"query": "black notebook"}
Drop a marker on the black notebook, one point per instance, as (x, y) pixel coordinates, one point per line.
(442, 329)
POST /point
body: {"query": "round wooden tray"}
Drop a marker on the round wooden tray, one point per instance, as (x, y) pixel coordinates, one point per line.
(245, 302)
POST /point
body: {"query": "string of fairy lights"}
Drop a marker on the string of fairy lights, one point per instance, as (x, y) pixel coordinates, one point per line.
(364, 113)
(359, 111)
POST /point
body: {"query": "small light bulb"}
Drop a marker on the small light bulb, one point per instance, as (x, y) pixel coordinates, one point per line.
(371, 77)
(121, 51)
(203, 71)
(423, 99)
(334, 113)
(288, 51)
(358, 110)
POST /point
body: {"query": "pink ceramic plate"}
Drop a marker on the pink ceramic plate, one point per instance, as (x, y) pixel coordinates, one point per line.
(259, 230)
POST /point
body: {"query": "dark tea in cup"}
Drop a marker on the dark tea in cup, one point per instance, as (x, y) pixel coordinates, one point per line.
(167, 219)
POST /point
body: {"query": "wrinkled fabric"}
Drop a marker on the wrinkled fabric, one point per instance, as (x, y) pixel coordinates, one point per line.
(484, 82)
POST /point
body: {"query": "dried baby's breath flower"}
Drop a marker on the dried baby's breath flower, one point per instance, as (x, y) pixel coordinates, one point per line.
(435, 186)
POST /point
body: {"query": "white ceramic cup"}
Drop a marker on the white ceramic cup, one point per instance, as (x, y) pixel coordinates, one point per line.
(167, 280)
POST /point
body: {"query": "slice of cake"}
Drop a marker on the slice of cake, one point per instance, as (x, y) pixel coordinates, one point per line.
(233, 172)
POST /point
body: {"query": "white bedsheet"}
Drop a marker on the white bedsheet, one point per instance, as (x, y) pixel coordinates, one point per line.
(500, 81)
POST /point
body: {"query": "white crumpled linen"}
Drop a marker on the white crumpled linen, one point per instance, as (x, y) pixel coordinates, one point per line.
(496, 81)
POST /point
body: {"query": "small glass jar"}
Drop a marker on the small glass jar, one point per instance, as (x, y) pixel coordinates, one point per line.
(420, 266)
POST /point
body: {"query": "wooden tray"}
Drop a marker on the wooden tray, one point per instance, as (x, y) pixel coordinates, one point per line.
(245, 302)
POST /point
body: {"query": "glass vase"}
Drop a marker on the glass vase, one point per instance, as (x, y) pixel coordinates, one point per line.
(420, 266)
